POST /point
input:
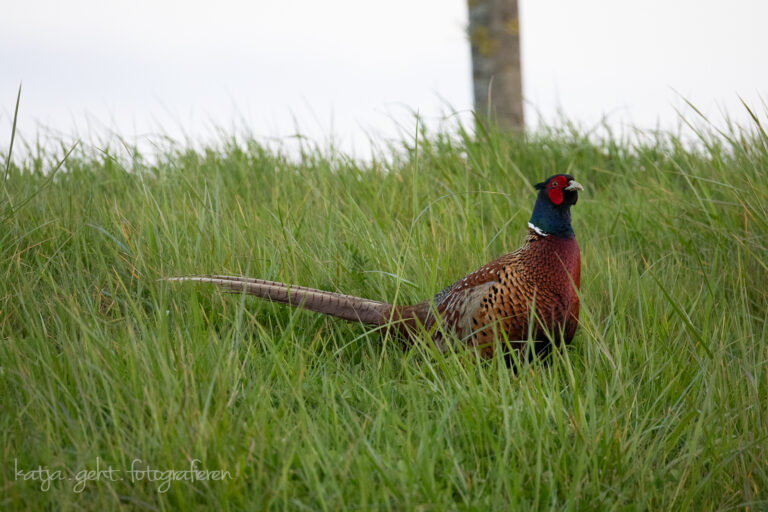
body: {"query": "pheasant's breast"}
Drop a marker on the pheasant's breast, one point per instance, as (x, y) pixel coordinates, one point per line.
(539, 282)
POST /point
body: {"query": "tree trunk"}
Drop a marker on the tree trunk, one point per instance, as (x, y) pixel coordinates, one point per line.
(494, 34)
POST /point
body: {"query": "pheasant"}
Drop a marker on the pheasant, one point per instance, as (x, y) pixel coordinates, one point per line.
(529, 293)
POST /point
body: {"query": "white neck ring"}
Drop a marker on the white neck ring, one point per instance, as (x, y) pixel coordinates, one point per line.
(536, 229)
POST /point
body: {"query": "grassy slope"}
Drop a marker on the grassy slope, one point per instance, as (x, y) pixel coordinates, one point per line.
(660, 402)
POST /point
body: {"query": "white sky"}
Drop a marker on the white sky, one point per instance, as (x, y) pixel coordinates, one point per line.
(353, 68)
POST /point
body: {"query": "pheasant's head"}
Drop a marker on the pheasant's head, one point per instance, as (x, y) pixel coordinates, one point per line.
(551, 213)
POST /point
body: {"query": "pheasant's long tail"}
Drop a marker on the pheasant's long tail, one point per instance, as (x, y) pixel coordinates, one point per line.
(348, 307)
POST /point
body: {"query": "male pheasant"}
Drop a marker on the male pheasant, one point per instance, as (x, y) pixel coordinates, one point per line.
(530, 293)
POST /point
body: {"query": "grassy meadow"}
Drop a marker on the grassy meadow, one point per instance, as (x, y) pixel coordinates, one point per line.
(660, 402)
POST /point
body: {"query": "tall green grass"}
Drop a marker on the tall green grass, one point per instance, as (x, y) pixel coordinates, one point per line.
(659, 403)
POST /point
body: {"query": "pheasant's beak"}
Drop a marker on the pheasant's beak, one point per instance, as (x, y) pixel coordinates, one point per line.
(574, 185)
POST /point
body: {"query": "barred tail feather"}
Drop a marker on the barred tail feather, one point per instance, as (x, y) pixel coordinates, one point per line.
(348, 307)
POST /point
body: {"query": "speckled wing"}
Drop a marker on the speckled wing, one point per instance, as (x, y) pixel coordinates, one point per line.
(459, 304)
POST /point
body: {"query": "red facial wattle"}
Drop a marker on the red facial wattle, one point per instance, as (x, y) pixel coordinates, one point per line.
(555, 195)
(555, 189)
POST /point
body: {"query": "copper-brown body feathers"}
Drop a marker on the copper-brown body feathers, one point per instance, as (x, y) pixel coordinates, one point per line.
(532, 291)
